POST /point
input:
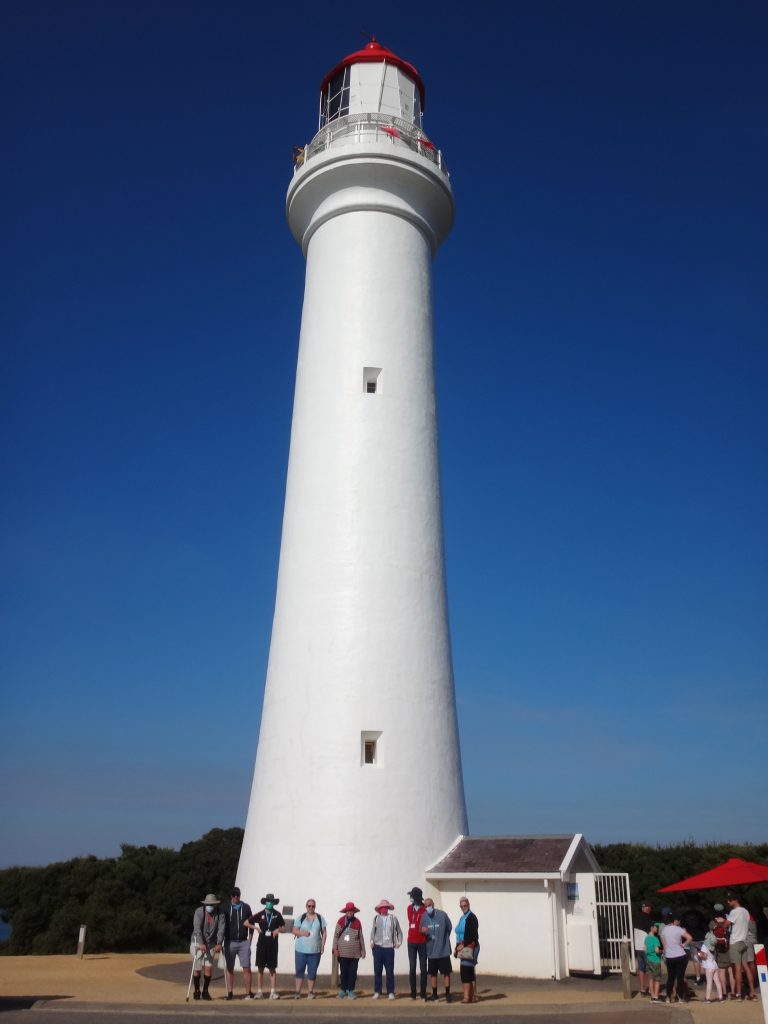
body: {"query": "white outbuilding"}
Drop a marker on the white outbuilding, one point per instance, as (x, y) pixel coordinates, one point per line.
(544, 907)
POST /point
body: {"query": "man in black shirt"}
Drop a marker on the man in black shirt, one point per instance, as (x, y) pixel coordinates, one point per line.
(269, 922)
(642, 922)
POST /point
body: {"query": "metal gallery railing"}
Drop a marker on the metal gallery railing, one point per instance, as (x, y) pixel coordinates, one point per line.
(365, 128)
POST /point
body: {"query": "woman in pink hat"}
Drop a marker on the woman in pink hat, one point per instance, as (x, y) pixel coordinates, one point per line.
(349, 947)
(386, 937)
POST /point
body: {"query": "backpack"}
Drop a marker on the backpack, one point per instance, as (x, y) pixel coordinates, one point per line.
(723, 945)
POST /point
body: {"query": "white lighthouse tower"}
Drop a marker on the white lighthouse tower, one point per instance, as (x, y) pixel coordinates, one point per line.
(358, 785)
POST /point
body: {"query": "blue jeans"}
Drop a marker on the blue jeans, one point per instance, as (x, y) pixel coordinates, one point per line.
(417, 950)
(383, 958)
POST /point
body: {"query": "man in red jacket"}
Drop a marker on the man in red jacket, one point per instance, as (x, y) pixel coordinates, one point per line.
(417, 942)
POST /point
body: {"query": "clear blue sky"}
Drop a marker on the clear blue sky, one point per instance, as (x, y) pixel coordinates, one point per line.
(602, 376)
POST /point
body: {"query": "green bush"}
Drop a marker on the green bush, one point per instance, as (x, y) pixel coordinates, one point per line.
(142, 900)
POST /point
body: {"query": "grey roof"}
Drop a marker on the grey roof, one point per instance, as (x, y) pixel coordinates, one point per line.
(502, 854)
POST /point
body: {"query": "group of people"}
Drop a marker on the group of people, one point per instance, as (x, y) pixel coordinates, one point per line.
(428, 939)
(722, 951)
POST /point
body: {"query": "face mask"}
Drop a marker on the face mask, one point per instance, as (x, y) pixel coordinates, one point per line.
(269, 906)
(208, 909)
(430, 911)
(412, 900)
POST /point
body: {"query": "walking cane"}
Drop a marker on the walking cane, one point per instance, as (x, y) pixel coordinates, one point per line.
(192, 972)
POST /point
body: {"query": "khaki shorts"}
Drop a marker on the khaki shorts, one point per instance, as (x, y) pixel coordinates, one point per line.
(202, 959)
(738, 952)
(654, 969)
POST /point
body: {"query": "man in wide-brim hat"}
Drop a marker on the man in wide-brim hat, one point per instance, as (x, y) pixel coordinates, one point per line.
(269, 922)
(386, 937)
(207, 932)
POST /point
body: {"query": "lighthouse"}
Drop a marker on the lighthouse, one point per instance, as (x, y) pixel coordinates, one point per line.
(357, 785)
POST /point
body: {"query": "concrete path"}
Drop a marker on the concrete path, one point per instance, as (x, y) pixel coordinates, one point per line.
(131, 986)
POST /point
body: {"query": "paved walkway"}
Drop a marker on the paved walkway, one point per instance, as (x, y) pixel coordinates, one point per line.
(157, 983)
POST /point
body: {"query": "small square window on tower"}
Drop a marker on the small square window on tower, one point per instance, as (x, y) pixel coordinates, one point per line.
(371, 383)
(370, 748)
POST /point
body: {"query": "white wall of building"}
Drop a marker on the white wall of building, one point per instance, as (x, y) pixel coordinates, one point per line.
(519, 936)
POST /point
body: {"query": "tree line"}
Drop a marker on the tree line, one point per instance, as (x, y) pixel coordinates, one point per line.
(144, 899)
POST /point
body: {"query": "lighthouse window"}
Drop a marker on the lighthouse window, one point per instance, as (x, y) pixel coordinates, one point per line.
(336, 99)
(369, 748)
(371, 384)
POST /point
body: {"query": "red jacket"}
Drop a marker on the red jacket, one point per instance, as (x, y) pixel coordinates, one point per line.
(415, 914)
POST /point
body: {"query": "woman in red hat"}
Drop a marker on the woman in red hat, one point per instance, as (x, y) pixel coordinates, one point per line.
(349, 947)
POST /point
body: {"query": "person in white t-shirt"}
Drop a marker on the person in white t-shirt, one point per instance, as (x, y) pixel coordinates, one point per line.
(738, 917)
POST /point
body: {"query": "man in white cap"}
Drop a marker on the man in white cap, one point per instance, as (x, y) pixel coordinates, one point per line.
(207, 932)
(386, 937)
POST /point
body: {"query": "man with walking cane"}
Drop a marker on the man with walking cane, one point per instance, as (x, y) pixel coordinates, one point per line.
(207, 937)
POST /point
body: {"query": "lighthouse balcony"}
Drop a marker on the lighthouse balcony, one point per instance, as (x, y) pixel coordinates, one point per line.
(365, 129)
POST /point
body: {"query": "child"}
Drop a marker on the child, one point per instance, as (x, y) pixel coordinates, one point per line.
(653, 959)
(707, 960)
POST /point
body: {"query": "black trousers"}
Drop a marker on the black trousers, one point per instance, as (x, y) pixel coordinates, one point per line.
(676, 966)
(417, 950)
(348, 973)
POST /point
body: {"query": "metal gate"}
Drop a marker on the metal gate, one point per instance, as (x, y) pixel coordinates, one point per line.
(614, 919)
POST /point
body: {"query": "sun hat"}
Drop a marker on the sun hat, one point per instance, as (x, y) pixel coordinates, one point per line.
(270, 898)
(211, 898)
(349, 906)
(384, 903)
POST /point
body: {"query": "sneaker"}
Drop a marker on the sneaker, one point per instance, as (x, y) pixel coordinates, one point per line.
(342, 995)
(433, 998)
(297, 995)
(655, 999)
(206, 995)
(447, 997)
(351, 995)
(195, 995)
(310, 995)
(274, 995)
(230, 996)
(391, 995)
(258, 994)
(376, 995)
(707, 1000)
(249, 995)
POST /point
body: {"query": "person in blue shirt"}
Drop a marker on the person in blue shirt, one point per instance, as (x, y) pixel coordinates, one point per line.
(311, 932)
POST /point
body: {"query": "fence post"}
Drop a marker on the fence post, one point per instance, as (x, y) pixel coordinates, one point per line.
(626, 977)
(81, 942)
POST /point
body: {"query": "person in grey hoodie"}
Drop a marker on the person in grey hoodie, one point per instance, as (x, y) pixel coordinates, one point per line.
(386, 937)
(436, 925)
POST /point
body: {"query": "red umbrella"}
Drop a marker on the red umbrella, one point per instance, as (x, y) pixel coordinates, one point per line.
(734, 872)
